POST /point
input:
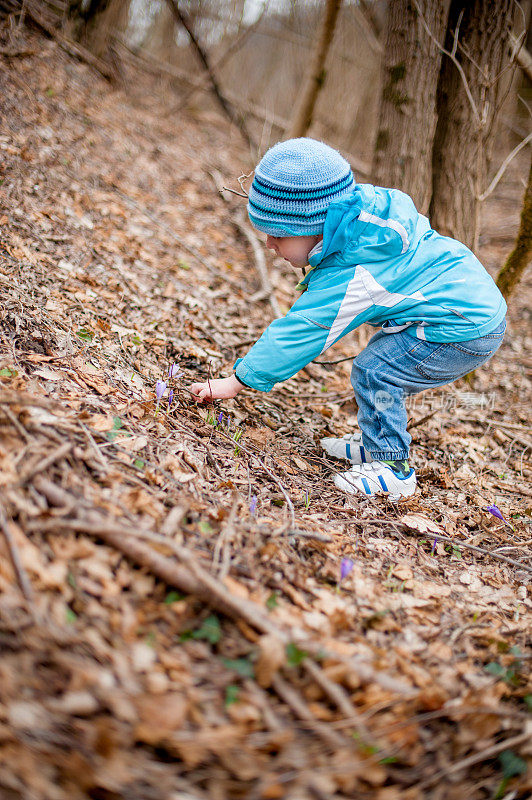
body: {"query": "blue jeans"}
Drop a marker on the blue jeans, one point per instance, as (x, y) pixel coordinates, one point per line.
(394, 365)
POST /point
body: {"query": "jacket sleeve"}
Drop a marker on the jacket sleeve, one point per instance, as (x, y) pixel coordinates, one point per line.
(291, 342)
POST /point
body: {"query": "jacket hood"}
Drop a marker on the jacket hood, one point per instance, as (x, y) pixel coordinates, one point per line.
(372, 224)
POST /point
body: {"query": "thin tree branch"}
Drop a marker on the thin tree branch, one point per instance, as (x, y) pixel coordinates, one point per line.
(504, 165)
(226, 55)
(181, 18)
(484, 755)
(458, 543)
(522, 56)
(452, 56)
(18, 566)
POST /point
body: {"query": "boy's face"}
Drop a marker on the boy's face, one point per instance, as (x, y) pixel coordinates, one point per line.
(294, 249)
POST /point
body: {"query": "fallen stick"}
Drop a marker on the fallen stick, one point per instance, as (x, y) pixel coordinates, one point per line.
(337, 694)
(18, 566)
(456, 543)
(430, 535)
(302, 711)
(484, 755)
(43, 465)
(190, 578)
(260, 263)
(238, 220)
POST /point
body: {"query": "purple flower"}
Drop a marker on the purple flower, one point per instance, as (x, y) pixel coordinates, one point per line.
(174, 371)
(433, 546)
(253, 504)
(160, 389)
(496, 512)
(170, 397)
(220, 418)
(345, 567)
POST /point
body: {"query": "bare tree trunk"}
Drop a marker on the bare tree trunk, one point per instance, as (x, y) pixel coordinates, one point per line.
(108, 22)
(521, 255)
(468, 104)
(316, 75)
(412, 60)
(92, 23)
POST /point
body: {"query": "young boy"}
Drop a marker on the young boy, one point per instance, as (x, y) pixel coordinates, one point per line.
(373, 258)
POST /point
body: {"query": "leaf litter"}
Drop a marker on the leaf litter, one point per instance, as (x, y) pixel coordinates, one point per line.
(188, 607)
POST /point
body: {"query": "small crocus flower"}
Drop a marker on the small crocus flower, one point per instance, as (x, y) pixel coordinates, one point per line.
(345, 568)
(174, 371)
(170, 397)
(495, 511)
(253, 504)
(160, 389)
(220, 418)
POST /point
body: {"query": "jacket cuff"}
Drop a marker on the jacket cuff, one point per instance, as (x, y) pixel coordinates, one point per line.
(250, 378)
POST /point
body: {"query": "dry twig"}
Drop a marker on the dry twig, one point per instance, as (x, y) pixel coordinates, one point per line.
(14, 555)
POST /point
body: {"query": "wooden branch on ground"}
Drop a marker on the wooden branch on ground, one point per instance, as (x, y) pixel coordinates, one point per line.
(188, 576)
(18, 566)
(473, 547)
(260, 262)
(43, 465)
(70, 47)
(339, 697)
(191, 578)
(476, 758)
(238, 219)
(292, 699)
(183, 20)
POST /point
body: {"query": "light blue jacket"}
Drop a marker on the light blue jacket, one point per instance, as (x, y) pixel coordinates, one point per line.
(381, 263)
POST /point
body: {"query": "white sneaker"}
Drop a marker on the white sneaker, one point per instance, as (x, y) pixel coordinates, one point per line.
(375, 479)
(349, 446)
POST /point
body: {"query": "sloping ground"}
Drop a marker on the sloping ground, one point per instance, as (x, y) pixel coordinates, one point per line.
(172, 621)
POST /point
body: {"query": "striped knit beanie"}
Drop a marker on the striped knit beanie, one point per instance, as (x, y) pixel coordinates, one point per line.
(294, 184)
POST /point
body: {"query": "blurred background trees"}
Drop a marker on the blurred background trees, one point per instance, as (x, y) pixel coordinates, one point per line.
(415, 92)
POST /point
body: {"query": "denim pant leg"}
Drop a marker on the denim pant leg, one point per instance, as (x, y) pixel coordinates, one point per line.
(380, 397)
(395, 365)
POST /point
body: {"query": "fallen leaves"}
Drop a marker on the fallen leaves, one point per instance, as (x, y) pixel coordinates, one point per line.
(97, 304)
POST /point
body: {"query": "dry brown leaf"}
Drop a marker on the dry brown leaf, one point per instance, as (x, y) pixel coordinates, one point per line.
(423, 524)
(159, 716)
(272, 657)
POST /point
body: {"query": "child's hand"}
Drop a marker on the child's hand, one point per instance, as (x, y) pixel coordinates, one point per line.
(216, 389)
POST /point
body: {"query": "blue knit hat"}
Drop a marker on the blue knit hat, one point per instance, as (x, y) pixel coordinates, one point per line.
(294, 184)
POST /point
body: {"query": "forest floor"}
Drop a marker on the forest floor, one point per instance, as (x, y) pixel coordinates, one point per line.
(172, 620)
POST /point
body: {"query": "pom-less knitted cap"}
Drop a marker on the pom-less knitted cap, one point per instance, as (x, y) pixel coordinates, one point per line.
(294, 184)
